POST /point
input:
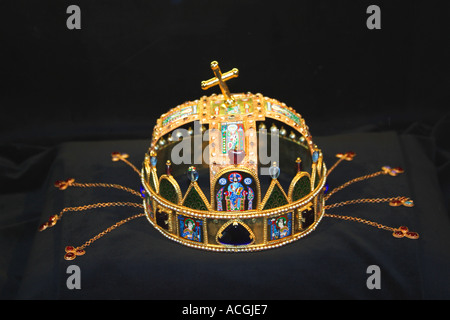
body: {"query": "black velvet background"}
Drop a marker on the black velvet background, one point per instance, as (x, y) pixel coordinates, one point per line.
(70, 97)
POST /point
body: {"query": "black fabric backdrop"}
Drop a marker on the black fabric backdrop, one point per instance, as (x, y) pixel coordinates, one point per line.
(71, 97)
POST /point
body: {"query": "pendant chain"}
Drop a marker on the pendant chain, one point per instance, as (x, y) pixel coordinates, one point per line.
(368, 222)
(54, 218)
(367, 200)
(73, 252)
(131, 165)
(334, 166)
(111, 228)
(100, 205)
(106, 185)
(365, 177)
(399, 232)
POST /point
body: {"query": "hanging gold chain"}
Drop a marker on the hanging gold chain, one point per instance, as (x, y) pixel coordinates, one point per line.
(348, 156)
(64, 184)
(367, 200)
(111, 228)
(365, 177)
(399, 232)
(73, 252)
(117, 156)
(334, 166)
(385, 170)
(132, 166)
(101, 205)
(368, 222)
(106, 185)
(54, 218)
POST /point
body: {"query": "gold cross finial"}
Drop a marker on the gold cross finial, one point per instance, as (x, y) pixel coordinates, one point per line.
(220, 79)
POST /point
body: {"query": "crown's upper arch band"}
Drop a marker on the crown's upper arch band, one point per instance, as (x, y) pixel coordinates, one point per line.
(200, 110)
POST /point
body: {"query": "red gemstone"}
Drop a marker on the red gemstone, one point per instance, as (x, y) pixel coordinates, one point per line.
(395, 203)
(398, 234)
(43, 226)
(51, 223)
(351, 153)
(399, 170)
(58, 183)
(70, 256)
(70, 249)
(115, 156)
(80, 252)
(412, 235)
(403, 228)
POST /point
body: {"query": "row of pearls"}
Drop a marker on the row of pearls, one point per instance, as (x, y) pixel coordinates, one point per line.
(229, 248)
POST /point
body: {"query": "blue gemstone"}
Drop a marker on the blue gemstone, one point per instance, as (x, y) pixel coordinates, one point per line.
(315, 156)
(142, 189)
(192, 174)
(153, 161)
(325, 189)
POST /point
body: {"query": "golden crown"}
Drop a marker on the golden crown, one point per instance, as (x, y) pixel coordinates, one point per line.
(214, 186)
(219, 146)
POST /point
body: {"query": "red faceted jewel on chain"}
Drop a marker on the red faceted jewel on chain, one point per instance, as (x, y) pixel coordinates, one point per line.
(403, 231)
(72, 253)
(70, 256)
(398, 234)
(116, 156)
(62, 185)
(402, 201)
(50, 223)
(399, 170)
(395, 203)
(349, 155)
(412, 235)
